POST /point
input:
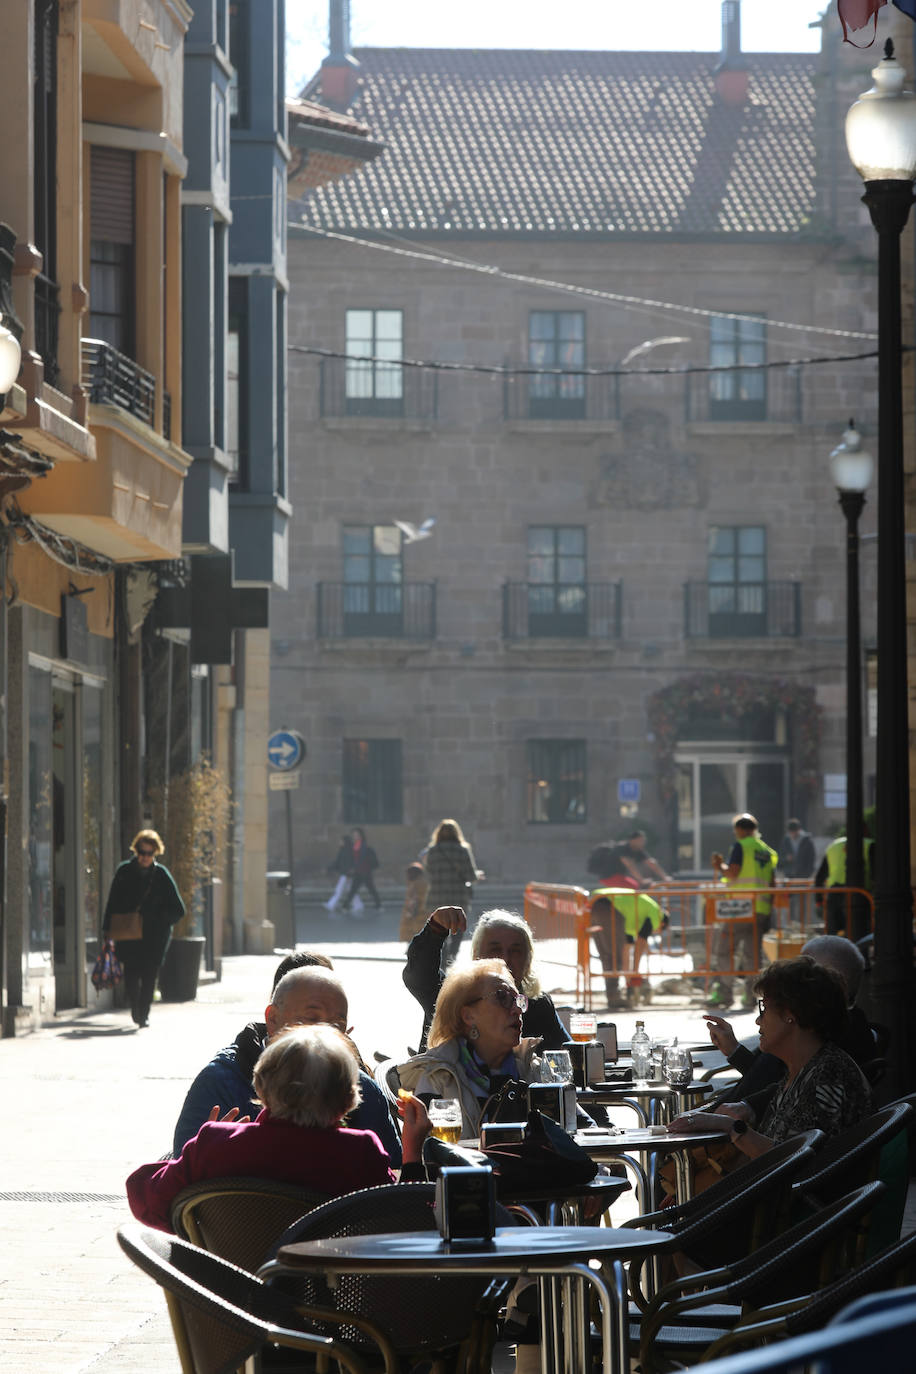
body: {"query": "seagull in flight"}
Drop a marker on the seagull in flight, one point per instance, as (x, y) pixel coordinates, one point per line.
(411, 533)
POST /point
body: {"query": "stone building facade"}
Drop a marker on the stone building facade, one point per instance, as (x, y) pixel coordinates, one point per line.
(631, 606)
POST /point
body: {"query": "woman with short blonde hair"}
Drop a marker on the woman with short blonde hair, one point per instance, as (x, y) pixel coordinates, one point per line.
(145, 886)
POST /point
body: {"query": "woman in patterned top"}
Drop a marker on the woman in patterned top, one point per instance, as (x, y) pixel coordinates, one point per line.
(802, 1012)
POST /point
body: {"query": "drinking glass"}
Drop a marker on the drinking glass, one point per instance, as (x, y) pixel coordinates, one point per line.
(556, 1067)
(677, 1066)
(658, 1059)
(445, 1119)
(583, 1026)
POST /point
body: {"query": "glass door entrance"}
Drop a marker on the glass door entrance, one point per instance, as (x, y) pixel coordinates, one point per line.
(714, 785)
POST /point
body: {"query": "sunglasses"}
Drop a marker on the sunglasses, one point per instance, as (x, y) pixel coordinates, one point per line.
(761, 1006)
(507, 999)
(146, 853)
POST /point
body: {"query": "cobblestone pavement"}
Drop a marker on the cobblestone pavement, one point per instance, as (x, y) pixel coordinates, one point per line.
(89, 1097)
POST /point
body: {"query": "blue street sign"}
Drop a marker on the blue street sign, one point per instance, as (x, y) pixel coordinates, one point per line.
(628, 789)
(286, 749)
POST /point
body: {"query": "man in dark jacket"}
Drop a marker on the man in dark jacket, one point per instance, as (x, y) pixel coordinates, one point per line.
(497, 935)
(303, 996)
(797, 855)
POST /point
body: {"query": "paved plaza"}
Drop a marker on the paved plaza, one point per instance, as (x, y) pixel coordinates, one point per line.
(89, 1098)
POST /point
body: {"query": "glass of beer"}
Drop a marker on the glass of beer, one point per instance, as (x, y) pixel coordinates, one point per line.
(583, 1026)
(445, 1119)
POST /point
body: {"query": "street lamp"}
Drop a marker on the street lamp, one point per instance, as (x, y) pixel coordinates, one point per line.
(881, 140)
(10, 358)
(851, 467)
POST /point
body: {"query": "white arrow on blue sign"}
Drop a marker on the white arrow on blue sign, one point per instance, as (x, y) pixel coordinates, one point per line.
(628, 789)
(286, 749)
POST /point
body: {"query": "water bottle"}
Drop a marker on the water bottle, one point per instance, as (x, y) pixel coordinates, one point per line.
(641, 1053)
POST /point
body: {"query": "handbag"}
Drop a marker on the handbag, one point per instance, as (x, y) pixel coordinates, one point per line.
(709, 1163)
(106, 971)
(509, 1103)
(125, 925)
(545, 1158)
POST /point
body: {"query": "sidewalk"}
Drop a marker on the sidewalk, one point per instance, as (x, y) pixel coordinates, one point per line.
(89, 1098)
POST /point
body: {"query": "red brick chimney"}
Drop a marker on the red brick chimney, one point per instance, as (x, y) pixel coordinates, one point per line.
(730, 75)
(339, 69)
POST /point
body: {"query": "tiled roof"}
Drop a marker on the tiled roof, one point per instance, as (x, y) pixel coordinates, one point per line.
(499, 142)
(311, 113)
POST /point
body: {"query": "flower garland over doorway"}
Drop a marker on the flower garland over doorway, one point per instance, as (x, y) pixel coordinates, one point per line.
(737, 695)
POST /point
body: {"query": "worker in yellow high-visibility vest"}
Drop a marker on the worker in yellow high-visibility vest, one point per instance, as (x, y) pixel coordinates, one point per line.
(623, 920)
(832, 873)
(751, 864)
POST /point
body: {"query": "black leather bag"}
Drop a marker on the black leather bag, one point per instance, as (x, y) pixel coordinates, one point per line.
(545, 1157)
(509, 1104)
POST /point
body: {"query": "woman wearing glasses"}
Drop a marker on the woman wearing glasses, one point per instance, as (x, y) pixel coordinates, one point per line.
(475, 1041)
(142, 884)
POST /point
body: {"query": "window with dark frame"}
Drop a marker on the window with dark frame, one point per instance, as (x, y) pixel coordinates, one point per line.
(373, 579)
(736, 572)
(112, 254)
(374, 378)
(737, 343)
(372, 783)
(556, 340)
(44, 87)
(557, 591)
(556, 782)
(237, 435)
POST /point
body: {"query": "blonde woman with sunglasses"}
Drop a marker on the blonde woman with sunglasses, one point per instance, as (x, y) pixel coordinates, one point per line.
(475, 1041)
(143, 884)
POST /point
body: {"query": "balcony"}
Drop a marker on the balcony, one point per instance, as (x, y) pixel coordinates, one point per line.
(742, 610)
(116, 380)
(567, 396)
(380, 391)
(740, 397)
(365, 610)
(588, 610)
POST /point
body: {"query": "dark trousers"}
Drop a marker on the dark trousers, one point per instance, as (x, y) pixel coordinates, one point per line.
(361, 880)
(141, 966)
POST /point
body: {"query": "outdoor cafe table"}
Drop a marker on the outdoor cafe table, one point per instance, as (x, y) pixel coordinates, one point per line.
(557, 1256)
(605, 1146)
(664, 1100)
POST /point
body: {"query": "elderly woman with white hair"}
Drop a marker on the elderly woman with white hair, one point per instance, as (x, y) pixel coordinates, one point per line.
(498, 935)
(306, 1081)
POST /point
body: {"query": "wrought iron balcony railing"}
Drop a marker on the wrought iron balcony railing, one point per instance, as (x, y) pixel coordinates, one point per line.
(585, 610)
(387, 610)
(114, 379)
(386, 391)
(774, 395)
(737, 610)
(560, 396)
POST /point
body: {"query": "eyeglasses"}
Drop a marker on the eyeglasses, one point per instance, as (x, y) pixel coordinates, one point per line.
(146, 853)
(761, 1006)
(507, 999)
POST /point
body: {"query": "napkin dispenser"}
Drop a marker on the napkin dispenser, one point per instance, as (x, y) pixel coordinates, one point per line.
(556, 1100)
(587, 1061)
(495, 1133)
(465, 1204)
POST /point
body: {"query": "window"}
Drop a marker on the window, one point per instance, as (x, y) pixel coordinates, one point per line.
(556, 339)
(375, 388)
(737, 395)
(239, 84)
(373, 576)
(372, 781)
(556, 781)
(736, 575)
(111, 248)
(236, 384)
(557, 594)
(44, 88)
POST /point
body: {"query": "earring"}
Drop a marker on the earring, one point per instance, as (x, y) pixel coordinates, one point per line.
(473, 1033)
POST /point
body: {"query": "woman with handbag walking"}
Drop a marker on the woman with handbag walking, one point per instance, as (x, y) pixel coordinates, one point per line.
(452, 871)
(142, 907)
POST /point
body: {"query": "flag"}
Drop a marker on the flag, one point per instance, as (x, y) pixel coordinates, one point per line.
(855, 14)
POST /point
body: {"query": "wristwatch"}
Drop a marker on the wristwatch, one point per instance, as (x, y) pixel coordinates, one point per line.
(739, 1128)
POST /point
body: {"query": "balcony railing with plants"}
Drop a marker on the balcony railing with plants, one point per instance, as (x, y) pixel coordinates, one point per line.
(372, 390)
(114, 379)
(586, 610)
(386, 610)
(737, 610)
(774, 394)
(559, 396)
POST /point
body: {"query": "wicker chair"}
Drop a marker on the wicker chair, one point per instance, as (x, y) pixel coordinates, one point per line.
(222, 1316)
(424, 1319)
(240, 1218)
(686, 1316)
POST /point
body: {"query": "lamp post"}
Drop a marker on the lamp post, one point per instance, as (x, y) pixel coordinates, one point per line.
(881, 140)
(851, 467)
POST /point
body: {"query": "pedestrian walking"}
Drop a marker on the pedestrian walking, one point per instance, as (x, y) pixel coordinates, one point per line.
(452, 870)
(415, 908)
(145, 901)
(343, 866)
(365, 862)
